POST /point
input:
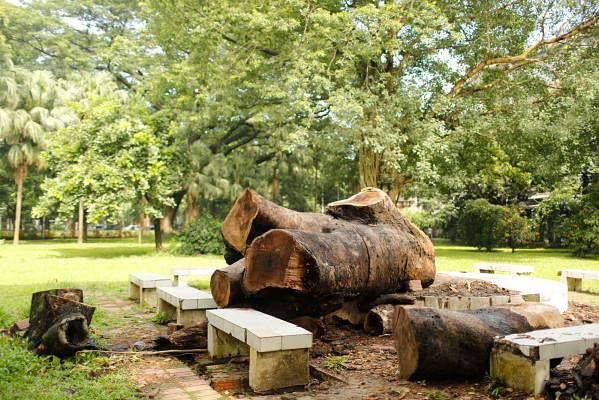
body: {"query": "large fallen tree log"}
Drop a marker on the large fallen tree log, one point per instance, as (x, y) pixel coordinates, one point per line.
(59, 322)
(362, 248)
(456, 344)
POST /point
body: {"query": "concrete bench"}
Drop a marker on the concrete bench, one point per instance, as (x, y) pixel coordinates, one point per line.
(180, 274)
(278, 350)
(522, 360)
(573, 277)
(142, 286)
(185, 304)
(488, 268)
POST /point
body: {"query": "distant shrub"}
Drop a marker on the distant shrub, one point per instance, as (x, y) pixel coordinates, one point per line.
(482, 224)
(518, 229)
(201, 237)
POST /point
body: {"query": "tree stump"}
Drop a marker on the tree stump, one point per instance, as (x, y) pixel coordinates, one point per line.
(59, 323)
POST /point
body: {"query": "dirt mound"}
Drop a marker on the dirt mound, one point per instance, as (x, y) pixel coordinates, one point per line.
(464, 287)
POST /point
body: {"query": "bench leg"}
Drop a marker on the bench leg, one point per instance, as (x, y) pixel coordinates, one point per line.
(134, 291)
(221, 344)
(169, 311)
(180, 280)
(190, 317)
(148, 297)
(574, 284)
(518, 371)
(278, 369)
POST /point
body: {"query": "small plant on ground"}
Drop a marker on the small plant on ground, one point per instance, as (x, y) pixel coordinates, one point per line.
(336, 363)
(160, 318)
(494, 386)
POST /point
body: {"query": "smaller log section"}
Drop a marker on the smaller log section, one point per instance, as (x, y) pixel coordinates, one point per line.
(437, 343)
(59, 323)
(225, 284)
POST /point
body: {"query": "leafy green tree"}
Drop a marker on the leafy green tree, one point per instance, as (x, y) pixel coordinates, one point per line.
(31, 104)
(482, 224)
(110, 161)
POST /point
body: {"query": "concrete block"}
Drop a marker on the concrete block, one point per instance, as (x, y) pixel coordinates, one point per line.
(169, 311)
(479, 302)
(574, 284)
(532, 297)
(134, 291)
(148, 297)
(499, 300)
(190, 317)
(419, 302)
(519, 372)
(516, 299)
(296, 342)
(221, 344)
(431, 301)
(278, 369)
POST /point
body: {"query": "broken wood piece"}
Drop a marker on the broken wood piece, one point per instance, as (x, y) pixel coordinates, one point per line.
(191, 337)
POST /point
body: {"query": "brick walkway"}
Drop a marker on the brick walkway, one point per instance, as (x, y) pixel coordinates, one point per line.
(159, 378)
(181, 384)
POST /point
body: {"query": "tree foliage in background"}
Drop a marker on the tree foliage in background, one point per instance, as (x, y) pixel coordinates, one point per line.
(306, 101)
(482, 224)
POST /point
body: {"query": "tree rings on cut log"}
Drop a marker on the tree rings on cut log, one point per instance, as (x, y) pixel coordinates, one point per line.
(225, 284)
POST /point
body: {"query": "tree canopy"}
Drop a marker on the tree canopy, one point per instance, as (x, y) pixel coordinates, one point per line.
(306, 101)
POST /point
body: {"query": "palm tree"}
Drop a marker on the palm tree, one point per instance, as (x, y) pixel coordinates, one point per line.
(30, 105)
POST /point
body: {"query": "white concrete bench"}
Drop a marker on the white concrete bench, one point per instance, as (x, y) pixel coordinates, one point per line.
(278, 350)
(574, 277)
(185, 304)
(181, 273)
(491, 268)
(142, 286)
(522, 360)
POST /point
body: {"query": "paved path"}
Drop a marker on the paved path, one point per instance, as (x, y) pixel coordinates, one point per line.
(159, 378)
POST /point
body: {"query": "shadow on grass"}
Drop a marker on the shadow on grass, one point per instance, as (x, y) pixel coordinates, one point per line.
(102, 252)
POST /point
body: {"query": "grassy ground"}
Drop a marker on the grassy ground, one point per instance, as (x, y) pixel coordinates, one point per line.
(102, 266)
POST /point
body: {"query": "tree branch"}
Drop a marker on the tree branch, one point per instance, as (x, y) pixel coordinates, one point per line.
(524, 56)
(266, 51)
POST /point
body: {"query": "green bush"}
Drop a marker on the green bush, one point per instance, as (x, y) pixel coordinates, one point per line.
(482, 224)
(202, 237)
(518, 229)
(569, 218)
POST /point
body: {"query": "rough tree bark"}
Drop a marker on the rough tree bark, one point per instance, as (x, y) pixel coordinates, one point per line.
(369, 249)
(252, 215)
(191, 337)
(59, 322)
(442, 343)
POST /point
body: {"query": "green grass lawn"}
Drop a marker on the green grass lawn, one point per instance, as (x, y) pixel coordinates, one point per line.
(103, 265)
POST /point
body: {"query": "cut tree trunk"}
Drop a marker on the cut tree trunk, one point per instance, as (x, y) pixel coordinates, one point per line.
(379, 320)
(59, 322)
(252, 215)
(442, 344)
(191, 337)
(225, 284)
(350, 260)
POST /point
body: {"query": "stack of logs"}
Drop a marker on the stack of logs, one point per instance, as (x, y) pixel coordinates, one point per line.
(360, 256)
(581, 381)
(292, 264)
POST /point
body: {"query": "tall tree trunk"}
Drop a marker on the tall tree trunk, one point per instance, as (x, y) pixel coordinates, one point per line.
(370, 165)
(19, 178)
(192, 213)
(157, 235)
(168, 215)
(142, 225)
(81, 227)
